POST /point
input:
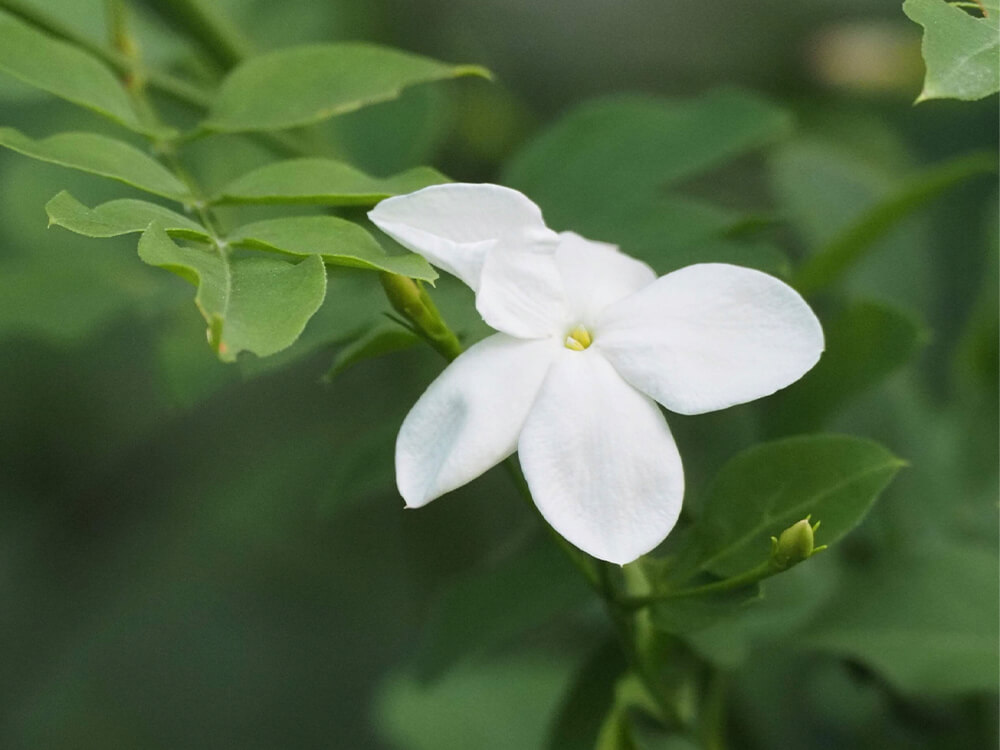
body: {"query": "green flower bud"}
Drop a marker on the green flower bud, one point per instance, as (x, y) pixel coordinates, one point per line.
(795, 544)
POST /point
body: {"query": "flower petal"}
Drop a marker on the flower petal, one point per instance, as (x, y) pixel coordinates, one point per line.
(520, 291)
(469, 418)
(599, 458)
(454, 225)
(596, 274)
(709, 336)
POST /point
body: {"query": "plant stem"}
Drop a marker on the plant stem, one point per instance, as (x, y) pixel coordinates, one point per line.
(165, 83)
(220, 39)
(765, 570)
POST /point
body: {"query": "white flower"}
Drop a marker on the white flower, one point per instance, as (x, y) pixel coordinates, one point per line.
(589, 339)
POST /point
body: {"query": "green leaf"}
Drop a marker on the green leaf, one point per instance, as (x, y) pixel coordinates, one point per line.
(491, 607)
(310, 83)
(688, 614)
(960, 50)
(100, 155)
(65, 71)
(764, 490)
(256, 304)
(854, 241)
(486, 705)
(323, 182)
(338, 241)
(581, 714)
(926, 621)
(377, 341)
(864, 344)
(118, 217)
(613, 170)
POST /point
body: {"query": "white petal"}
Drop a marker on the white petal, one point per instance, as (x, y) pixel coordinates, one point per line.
(520, 291)
(469, 418)
(454, 225)
(710, 336)
(595, 274)
(600, 461)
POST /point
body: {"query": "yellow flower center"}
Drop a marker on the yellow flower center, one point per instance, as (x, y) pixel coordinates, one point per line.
(578, 339)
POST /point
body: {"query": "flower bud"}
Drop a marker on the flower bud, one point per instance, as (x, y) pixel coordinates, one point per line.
(795, 544)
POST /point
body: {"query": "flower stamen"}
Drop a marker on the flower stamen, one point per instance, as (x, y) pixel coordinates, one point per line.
(578, 339)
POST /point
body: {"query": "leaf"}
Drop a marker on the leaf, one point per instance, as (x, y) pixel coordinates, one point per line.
(612, 170)
(338, 241)
(633, 145)
(494, 705)
(100, 155)
(310, 83)
(490, 607)
(323, 182)
(960, 50)
(688, 614)
(926, 621)
(867, 342)
(764, 490)
(67, 72)
(381, 339)
(256, 304)
(581, 714)
(858, 238)
(118, 217)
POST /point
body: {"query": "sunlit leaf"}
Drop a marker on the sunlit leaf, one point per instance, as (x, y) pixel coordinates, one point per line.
(767, 488)
(65, 71)
(337, 241)
(100, 155)
(960, 50)
(114, 218)
(255, 304)
(323, 182)
(310, 83)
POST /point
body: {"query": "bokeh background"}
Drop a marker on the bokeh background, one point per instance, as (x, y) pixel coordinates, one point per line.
(198, 555)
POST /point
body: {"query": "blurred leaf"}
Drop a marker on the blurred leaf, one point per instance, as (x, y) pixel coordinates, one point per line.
(118, 217)
(310, 83)
(324, 182)
(767, 488)
(496, 705)
(688, 614)
(852, 242)
(100, 155)
(606, 171)
(960, 50)
(632, 145)
(926, 621)
(864, 344)
(338, 241)
(65, 71)
(383, 338)
(492, 606)
(253, 304)
(581, 715)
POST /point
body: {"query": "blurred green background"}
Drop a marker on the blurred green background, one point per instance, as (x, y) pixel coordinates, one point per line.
(198, 555)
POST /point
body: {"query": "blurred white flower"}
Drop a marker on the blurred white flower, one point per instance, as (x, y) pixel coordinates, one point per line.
(589, 339)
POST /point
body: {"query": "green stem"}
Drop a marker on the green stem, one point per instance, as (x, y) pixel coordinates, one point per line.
(165, 83)
(765, 570)
(220, 39)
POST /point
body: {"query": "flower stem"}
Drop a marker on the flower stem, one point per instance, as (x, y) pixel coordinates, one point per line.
(758, 573)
